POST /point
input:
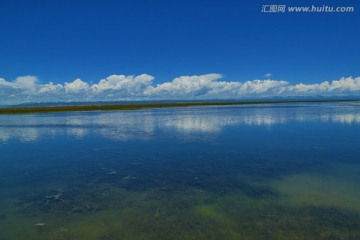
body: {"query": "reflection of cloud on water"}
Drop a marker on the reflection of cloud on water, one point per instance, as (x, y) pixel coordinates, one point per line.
(75, 127)
(77, 132)
(216, 121)
(143, 125)
(117, 126)
(263, 120)
(346, 118)
(195, 124)
(127, 126)
(343, 118)
(24, 135)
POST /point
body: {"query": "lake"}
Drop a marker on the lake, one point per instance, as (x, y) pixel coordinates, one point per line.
(271, 171)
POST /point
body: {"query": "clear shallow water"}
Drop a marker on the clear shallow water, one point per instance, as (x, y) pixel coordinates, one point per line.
(285, 171)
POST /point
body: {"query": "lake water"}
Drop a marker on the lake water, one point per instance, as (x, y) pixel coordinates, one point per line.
(277, 171)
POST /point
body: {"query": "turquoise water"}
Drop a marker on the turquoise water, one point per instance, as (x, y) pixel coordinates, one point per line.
(282, 171)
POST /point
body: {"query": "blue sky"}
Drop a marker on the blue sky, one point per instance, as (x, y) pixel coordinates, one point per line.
(60, 41)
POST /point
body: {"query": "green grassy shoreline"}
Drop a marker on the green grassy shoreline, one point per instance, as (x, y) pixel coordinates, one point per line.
(138, 106)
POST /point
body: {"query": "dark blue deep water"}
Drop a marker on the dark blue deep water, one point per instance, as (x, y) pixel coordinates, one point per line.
(273, 171)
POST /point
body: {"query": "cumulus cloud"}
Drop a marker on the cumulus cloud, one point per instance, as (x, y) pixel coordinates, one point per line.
(76, 86)
(205, 86)
(141, 87)
(124, 85)
(343, 85)
(185, 86)
(50, 88)
(24, 82)
(20, 90)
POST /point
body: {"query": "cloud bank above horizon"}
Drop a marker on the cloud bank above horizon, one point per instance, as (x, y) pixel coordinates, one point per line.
(208, 86)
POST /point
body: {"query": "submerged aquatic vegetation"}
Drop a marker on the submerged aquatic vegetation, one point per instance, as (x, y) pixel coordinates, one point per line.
(246, 211)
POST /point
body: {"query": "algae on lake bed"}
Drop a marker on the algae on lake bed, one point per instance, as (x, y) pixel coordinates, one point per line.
(186, 214)
(118, 206)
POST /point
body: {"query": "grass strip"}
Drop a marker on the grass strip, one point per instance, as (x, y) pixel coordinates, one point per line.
(138, 106)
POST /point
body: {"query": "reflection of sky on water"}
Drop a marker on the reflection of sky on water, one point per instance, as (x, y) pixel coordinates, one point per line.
(142, 125)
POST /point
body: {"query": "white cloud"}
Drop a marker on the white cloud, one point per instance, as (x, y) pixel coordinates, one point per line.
(205, 86)
(126, 85)
(185, 86)
(76, 86)
(50, 88)
(26, 82)
(4, 83)
(264, 86)
(20, 90)
(336, 87)
(141, 87)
